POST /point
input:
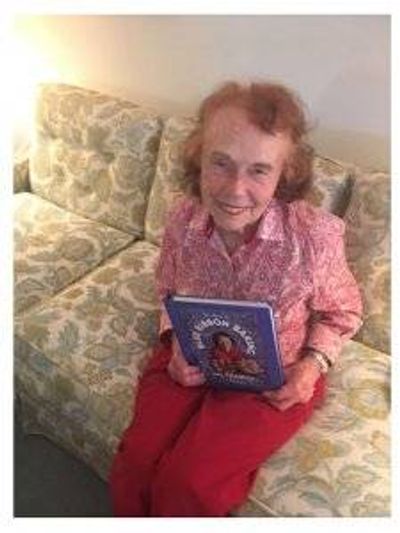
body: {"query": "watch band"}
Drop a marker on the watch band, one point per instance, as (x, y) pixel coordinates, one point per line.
(322, 360)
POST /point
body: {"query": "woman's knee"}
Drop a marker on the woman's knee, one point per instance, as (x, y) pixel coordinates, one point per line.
(180, 489)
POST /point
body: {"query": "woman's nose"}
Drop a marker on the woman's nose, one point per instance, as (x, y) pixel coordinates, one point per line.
(237, 182)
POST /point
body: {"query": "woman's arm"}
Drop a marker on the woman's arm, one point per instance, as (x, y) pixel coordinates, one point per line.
(335, 314)
(336, 307)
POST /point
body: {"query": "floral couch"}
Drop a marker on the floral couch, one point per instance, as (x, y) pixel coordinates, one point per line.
(90, 206)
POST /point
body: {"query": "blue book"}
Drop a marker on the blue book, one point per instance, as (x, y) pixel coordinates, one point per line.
(233, 342)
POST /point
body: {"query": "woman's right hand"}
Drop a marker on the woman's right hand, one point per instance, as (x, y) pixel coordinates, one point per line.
(180, 371)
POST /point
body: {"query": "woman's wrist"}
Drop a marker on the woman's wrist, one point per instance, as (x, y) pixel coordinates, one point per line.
(320, 360)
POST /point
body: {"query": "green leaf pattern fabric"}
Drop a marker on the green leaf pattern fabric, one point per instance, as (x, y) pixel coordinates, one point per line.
(89, 343)
(368, 251)
(94, 155)
(319, 472)
(54, 247)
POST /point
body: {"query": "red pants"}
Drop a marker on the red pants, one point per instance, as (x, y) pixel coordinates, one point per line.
(195, 451)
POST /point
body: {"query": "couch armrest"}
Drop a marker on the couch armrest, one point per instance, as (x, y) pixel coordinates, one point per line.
(21, 176)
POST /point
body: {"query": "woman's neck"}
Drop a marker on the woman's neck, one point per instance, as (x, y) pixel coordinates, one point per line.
(234, 239)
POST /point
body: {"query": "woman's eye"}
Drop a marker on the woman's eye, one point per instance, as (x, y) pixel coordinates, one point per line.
(220, 164)
(260, 172)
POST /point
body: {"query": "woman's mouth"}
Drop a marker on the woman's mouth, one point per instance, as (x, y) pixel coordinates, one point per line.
(231, 209)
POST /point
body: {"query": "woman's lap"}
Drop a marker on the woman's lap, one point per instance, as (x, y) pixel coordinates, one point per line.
(213, 440)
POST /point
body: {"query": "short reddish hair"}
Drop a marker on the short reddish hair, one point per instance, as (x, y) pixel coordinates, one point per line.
(272, 108)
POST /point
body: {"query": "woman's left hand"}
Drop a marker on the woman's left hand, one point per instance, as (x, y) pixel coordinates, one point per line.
(301, 378)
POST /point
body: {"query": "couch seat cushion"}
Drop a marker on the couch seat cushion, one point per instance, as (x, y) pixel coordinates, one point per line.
(53, 247)
(338, 464)
(331, 187)
(368, 251)
(74, 351)
(95, 155)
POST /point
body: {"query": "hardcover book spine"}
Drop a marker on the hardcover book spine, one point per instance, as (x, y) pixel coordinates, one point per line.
(275, 375)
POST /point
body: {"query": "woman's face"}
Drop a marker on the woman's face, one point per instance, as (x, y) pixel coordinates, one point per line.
(224, 343)
(240, 169)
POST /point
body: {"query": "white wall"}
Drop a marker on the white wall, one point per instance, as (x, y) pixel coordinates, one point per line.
(340, 65)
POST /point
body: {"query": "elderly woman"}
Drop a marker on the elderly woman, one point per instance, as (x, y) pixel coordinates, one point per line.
(245, 233)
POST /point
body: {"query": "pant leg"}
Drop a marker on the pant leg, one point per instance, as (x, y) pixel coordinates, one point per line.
(162, 410)
(212, 467)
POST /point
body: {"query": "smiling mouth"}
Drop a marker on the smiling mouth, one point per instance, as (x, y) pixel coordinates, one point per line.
(231, 209)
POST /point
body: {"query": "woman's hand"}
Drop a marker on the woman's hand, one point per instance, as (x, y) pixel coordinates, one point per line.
(180, 371)
(299, 387)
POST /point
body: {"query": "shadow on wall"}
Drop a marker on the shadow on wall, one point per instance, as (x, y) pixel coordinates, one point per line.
(369, 151)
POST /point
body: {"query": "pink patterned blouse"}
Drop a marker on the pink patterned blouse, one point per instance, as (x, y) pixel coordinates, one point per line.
(295, 261)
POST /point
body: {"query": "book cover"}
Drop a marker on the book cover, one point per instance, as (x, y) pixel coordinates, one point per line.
(233, 342)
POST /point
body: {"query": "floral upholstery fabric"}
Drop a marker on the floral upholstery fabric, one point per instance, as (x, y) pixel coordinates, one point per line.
(337, 465)
(331, 188)
(94, 155)
(75, 359)
(169, 183)
(332, 183)
(54, 247)
(368, 252)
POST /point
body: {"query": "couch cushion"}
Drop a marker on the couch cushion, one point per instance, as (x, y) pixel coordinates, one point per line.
(368, 252)
(331, 187)
(95, 155)
(74, 351)
(339, 463)
(332, 183)
(53, 247)
(169, 183)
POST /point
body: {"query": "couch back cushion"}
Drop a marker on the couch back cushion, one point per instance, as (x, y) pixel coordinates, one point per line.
(95, 155)
(368, 251)
(169, 183)
(331, 187)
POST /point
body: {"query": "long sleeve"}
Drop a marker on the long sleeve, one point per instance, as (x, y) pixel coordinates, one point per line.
(166, 271)
(336, 302)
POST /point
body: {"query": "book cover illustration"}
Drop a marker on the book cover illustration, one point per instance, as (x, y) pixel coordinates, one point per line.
(233, 342)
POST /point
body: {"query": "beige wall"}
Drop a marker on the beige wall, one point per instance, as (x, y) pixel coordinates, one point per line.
(340, 65)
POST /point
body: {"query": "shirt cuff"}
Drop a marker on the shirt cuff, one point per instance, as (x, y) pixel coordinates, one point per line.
(325, 340)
